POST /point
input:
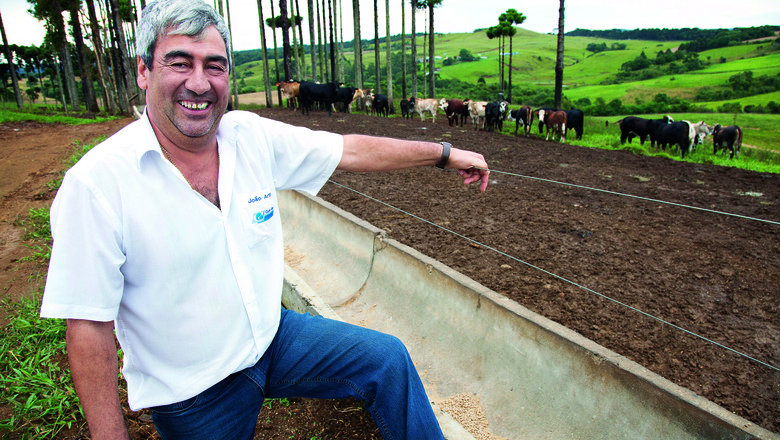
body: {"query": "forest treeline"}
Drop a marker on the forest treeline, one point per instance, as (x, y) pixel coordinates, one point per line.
(697, 39)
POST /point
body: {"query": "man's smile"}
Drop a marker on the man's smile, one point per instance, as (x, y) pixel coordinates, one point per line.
(194, 105)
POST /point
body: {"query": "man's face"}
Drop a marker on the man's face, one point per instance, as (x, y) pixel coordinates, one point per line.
(188, 87)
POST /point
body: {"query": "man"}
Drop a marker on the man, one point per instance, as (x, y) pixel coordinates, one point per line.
(168, 236)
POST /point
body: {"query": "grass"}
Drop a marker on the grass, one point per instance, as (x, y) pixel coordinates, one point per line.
(24, 115)
(761, 132)
(33, 382)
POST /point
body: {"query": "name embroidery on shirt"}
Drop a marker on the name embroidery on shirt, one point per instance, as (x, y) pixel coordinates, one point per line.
(263, 215)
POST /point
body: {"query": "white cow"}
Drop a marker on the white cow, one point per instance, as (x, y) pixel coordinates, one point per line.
(477, 112)
(426, 105)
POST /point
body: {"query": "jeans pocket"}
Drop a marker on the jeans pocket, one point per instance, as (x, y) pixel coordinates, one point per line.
(177, 408)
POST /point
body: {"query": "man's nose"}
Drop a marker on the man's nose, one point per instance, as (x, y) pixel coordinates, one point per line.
(198, 81)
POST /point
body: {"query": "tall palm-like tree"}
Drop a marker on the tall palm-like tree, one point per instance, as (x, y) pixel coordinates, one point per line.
(108, 91)
(559, 61)
(300, 52)
(332, 42)
(271, 22)
(341, 41)
(414, 49)
(11, 66)
(320, 55)
(266, 70)
(432, 60)
(358, 44)
(377, 73)
(129, 84)
(284, 23)
(512, 17)
(388, 56)
(232, 58)
(50, 11)
(312, 44)
(403, 49)
(90, 100)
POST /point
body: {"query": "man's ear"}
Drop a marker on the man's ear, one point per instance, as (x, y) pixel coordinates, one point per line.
(143, 72)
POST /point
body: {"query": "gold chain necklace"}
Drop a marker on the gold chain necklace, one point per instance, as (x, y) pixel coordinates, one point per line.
(170, 159)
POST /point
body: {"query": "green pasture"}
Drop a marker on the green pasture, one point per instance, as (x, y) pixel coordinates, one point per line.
(760, 144)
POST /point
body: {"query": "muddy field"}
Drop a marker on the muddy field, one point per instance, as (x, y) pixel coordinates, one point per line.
(714, 275)
(711, 274)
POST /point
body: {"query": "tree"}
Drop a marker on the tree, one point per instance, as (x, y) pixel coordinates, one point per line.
(403, 49)
(378, 81)
(431, 59)
(358, 46)
(122, 64)
(388, 56)
(272, 24)
(11, 67)
(109, 93)
(285, 25)
(332, 42)
(312, 44)
(90, 100)
(559, 60)
(50, 11)
(232, 58)
(512, 17)
(414, 50)
(266, 70)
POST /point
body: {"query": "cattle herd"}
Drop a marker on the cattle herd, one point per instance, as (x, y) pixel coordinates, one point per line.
(485, 115)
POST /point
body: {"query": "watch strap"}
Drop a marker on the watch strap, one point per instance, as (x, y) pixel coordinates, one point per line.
(445, 155)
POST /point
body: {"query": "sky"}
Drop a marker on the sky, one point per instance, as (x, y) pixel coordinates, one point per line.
(466, 15)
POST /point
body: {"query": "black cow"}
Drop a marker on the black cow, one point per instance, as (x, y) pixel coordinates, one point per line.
(677, 133)
(575, 120)
(344, 95)
(730, 137)
(524, 115)
(323, 93)
(381, 105)
(407, 108)
(632, 126)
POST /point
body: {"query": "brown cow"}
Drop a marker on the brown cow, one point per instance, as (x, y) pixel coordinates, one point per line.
(555, 121)
(290, 92)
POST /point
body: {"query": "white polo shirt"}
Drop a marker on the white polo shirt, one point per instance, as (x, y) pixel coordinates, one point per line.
(195, 291)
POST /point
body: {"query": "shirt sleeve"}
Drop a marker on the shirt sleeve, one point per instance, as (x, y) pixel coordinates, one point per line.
(302, 158)
(84, 279)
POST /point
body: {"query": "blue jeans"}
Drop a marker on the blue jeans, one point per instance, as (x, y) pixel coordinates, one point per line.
(311, 357)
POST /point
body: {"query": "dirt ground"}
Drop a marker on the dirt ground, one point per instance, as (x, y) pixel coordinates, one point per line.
(711, 274)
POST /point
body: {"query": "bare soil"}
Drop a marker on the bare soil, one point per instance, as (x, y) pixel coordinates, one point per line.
(714, 275)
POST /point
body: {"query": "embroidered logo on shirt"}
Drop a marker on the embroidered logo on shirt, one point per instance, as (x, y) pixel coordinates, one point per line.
(263, 216)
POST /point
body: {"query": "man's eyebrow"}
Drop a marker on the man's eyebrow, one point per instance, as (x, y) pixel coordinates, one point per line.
(184, 54)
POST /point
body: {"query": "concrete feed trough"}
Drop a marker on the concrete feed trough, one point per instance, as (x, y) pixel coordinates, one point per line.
(534, 378)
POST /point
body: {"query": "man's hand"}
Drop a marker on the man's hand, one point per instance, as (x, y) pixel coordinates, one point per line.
(471, 166)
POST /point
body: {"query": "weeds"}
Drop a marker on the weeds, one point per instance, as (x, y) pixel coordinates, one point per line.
(32, 381)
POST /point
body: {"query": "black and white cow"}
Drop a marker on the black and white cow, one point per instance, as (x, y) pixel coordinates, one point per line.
(407, 107)
(727, 137)
(679, 133)
(524, 115)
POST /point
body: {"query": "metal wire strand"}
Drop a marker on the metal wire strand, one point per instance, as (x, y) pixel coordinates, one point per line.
(566, 280)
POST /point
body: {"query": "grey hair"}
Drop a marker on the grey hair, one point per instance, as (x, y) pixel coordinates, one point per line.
(176, 17)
